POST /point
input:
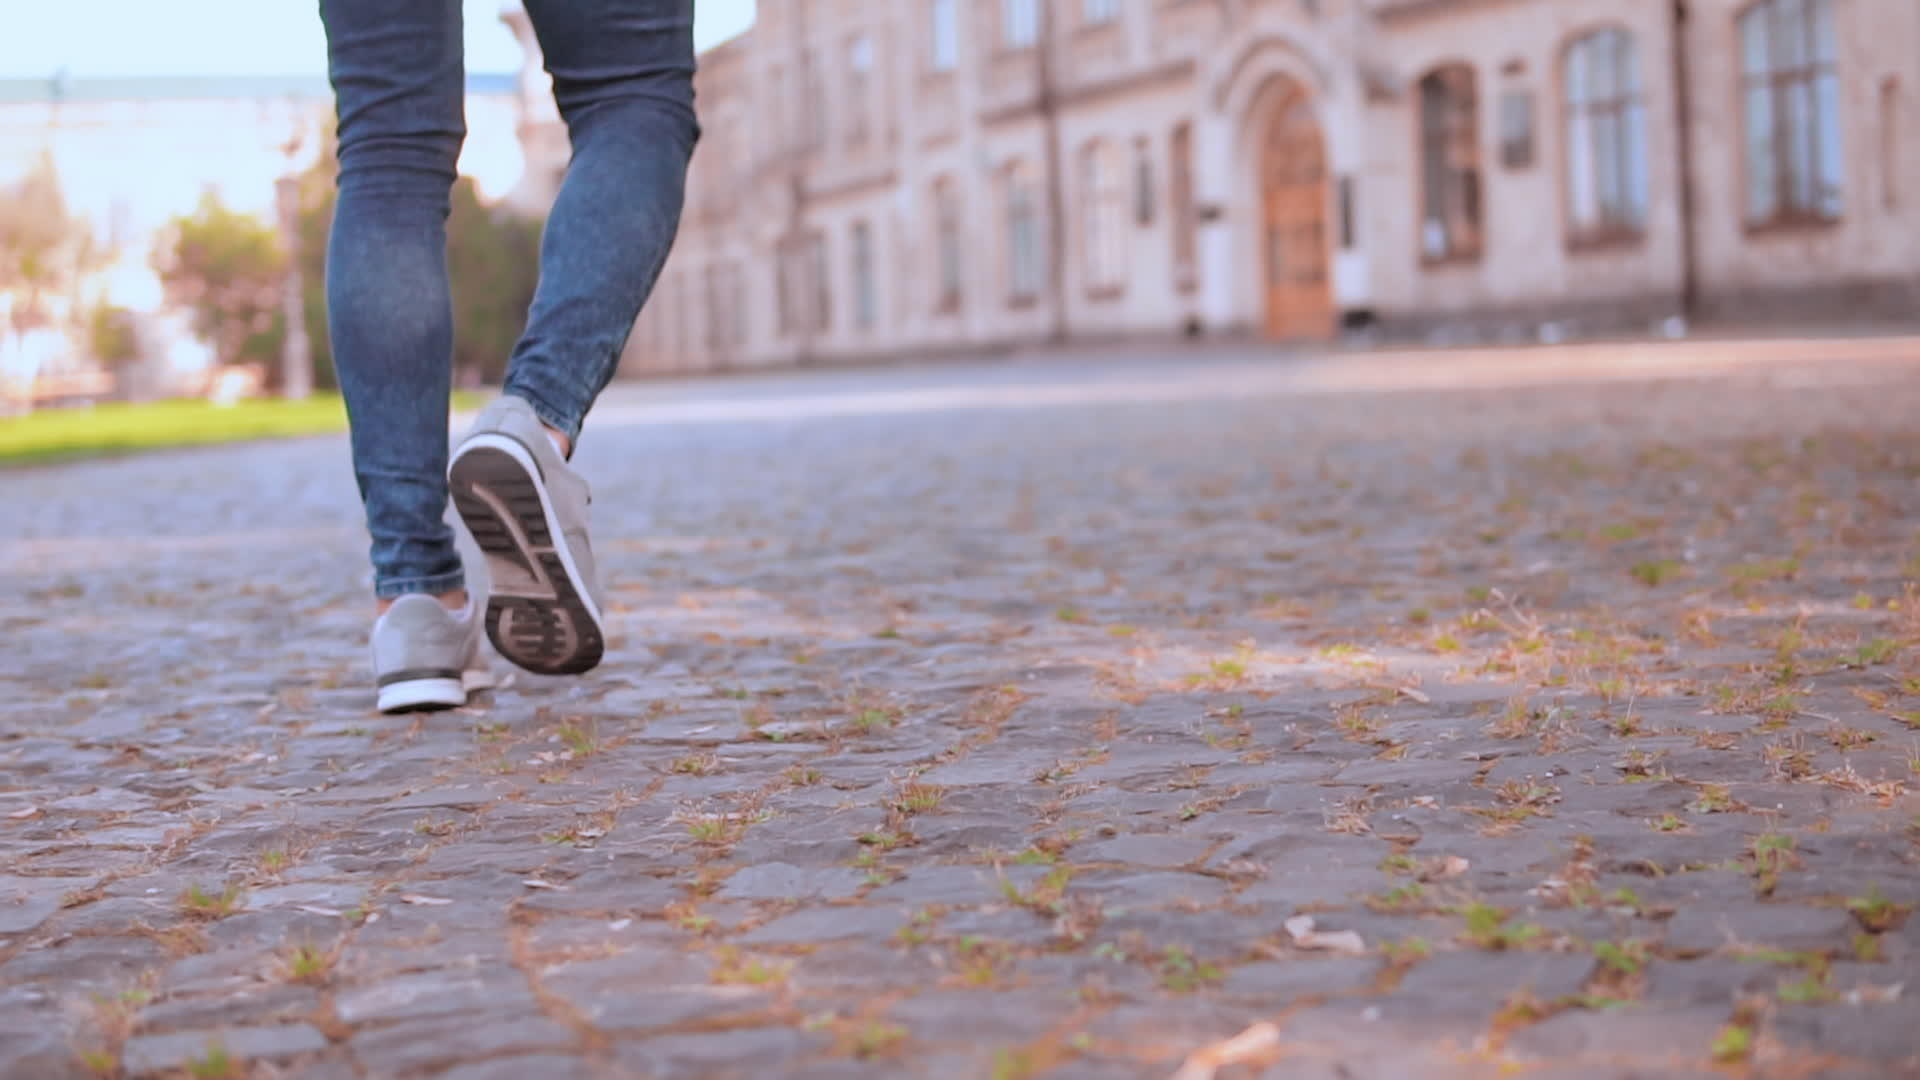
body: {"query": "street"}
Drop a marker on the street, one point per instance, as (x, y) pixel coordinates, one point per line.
(1002, 720)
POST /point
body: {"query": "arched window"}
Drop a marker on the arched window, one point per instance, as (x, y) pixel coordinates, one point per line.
(1790, 95)
(1606, 137)
(1450, 219)
(1103, 201)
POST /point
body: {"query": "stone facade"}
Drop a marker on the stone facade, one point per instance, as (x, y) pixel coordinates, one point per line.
(935, 176)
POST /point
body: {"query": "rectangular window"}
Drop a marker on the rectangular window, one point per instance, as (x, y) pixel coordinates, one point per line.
(1019, 23)
(1607, 172)
(715, 302)
(670, 309)
(1099, 11)
(1790, 101)
(1349, 232)
(821, 272)
(1180, 205)
(815, 78)
(693, 341)
(864, 307)
(947, 240)
(1103, 201)
(1142, 183)
(945, 42)
(1450, 226)
(736, 302)
(1024, 251)
(1516, 129)
(790, 286)
(779, 107)
(859, 87)
(1890, 121)
(804, 285)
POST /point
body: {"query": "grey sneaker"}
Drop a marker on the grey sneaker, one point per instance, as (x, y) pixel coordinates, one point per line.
(426, 657)
(527, 511)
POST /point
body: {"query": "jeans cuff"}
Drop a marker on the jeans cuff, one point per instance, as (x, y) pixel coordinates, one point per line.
(554, 418)
(436, 585)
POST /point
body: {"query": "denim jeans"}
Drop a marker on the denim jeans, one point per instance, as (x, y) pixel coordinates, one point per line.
(623, 80)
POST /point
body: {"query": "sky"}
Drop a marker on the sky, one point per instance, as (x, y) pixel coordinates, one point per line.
(110, 38)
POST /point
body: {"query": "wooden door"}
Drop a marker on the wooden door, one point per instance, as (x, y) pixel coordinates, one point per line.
(1293, 189)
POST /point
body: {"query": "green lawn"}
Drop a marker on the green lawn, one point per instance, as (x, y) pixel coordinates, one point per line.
(118, 428)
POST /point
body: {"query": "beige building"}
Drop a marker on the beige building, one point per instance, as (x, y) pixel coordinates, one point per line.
(944, 175)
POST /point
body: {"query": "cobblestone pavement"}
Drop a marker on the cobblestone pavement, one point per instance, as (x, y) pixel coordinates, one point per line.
(1002, 722)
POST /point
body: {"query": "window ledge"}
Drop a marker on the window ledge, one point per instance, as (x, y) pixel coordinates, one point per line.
(1601, 241)
(1106, 294)
(1790, 224)
(1451, 259)
(1023, 301)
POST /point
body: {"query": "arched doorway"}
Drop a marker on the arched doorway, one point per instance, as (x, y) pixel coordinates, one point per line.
(1293, 196)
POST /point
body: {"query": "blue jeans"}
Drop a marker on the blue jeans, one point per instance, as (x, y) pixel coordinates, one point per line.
(623, 79)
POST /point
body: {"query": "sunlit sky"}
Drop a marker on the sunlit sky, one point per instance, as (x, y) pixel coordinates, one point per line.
(108, 38)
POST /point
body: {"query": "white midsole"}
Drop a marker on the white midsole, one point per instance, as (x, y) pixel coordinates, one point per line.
(415, 692)
(512, 447)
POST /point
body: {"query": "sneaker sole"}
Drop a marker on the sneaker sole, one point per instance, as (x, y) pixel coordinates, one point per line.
(539, 613)
(422, 695)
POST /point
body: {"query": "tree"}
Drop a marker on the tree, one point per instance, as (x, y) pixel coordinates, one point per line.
(111, 336)
(45, 249)
(494, 260)
(227, 268)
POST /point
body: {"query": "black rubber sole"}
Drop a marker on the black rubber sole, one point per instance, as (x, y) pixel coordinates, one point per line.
(536, 616)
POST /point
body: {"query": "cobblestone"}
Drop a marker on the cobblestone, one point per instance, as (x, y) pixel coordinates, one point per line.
(993, 720)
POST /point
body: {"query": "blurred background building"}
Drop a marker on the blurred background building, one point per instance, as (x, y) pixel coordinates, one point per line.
(930, 177)
(947, 175)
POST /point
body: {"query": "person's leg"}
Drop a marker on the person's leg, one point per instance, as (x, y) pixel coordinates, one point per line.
(400, 86)
(623, 79)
